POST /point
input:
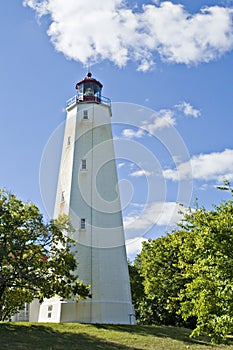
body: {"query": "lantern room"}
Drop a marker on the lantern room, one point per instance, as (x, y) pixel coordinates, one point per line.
(89, 90)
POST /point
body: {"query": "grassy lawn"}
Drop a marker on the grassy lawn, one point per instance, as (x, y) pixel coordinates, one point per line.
(16, 336)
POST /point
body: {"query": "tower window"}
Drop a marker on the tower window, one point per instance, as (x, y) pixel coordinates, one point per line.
(50, 309)
(68, 140)
(62, 196)
(84, 164)
(85, 114)
(83, 224)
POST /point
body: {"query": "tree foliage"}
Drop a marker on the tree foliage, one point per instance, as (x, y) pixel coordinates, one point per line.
(188, 275)
(35, 257)
(206, 259)
(162, 281)
(137, 291)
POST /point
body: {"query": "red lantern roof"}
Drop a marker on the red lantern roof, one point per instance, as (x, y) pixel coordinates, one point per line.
(89, 79)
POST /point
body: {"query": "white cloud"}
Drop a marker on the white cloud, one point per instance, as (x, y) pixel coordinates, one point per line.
(184, 38)
(212, 166)
(159, 213)
(188, 109)
(137, 205)
(140, 173)
(134, 246)
(130, 133)
(163, 119)
(146, 65)
(204, 187)
(120, 165)
(90, 31)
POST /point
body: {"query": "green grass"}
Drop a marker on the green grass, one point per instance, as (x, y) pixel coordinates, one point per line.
(46, 336)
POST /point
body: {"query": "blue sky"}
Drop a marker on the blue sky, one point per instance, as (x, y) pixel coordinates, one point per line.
(174, 58)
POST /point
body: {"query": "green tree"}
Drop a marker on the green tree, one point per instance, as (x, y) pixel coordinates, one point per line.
(35, 257)
(137, 289)
(206, 259)
(162, 279)
(188, 275)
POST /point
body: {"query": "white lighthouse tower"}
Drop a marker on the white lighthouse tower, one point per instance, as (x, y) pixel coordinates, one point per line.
(88, 192)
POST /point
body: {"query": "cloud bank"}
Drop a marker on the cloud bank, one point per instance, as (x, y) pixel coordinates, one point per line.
(164, 118)
(188, 109)
(91, 31)
(213, 166)
(159, 213)
(134, 246)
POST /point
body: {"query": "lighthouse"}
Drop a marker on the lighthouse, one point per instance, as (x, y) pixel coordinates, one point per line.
(88, 192)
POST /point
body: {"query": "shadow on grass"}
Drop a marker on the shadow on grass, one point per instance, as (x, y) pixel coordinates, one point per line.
(175, 333)
(42, 337)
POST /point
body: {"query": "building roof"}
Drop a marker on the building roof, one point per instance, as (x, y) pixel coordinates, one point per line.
(88, 79)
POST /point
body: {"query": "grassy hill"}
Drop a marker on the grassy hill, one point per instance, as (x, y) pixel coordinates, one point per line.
(14, 336)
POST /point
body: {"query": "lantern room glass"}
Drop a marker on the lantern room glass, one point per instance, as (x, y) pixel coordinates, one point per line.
(89, 91)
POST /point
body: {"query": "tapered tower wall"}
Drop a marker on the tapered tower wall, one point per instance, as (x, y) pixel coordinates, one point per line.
(88, 192)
